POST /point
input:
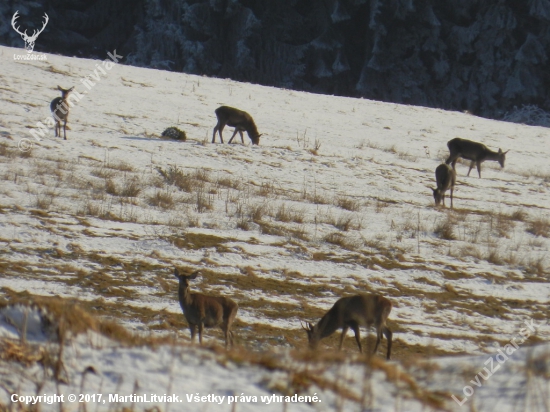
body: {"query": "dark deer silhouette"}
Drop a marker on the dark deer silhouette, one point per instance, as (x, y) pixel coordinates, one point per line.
(60, 111)
(353, 312)
(445, 177)
(238, 119)
(205, 311)
(476, 152)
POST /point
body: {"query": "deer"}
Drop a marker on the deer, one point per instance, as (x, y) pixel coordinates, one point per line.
(238, 119)
(476, 152)
(60, 111)
(353, 312)
(205, 311)
(445, 177)
(29, 40)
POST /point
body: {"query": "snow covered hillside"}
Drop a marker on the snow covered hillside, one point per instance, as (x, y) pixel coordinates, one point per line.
(334, 201)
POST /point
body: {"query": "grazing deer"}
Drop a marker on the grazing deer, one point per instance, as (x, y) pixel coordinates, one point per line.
(205, 311)
(238, 119)
(60, 111)
(445, 177)
(476, 152)
(353, 312)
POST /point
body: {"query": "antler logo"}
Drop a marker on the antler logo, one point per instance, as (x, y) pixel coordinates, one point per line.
(29, 40)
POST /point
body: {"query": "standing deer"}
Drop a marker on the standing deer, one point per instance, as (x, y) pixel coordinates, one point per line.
(353, 312)
(238, 119)
(476, 152)
(205, 311)
(60, 111)
(445, 177)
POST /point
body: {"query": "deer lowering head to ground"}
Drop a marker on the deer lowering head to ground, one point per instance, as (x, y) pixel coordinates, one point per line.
(238, 119)
(353, 312)
(476, 152)
(445, 177)
(60, 111)
(205, 311)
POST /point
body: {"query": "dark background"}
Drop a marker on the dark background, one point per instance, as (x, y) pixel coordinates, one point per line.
(484, 56)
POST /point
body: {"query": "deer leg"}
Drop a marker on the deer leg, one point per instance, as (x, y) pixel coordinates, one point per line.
(201, 325)
(192, 329)
(226, 333)
(479, 168)
(378, 338)
(452, 188)
(234, 133)
(452, 159)
(242, 138)
(214, 134)
(471, 167)
(357, 337)
(344, 331)
(219, 128)
(389, 335)
(64, 129)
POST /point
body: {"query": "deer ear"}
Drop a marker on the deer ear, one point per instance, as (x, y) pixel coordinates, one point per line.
(71, 89)
(194, 274)
(176, 272)
(506, 151)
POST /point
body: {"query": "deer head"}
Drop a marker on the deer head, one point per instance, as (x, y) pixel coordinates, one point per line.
(29, 40)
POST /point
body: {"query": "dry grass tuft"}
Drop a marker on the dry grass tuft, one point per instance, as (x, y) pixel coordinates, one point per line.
(289, 214)
(445, 229)
(162, 198)
(540, 226)
(348, 203)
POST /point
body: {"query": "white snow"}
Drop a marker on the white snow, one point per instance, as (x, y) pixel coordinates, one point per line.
(356, 168)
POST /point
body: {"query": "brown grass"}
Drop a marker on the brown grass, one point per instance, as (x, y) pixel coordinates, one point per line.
(445, 228)
(539, 226)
